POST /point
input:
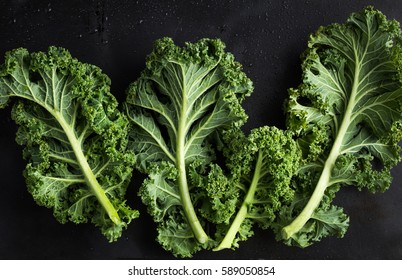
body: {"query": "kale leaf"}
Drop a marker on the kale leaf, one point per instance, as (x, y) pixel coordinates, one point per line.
(261, 168)
(347, 119)
(75, 138)
(183, 99)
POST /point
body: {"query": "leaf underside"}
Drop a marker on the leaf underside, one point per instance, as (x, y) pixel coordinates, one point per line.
(184, 97)
(75, 138)
(346, 115)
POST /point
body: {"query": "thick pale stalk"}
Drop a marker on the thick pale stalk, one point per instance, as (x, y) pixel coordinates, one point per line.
(90, 178)
(242, 213)
(325, 177)
(188, 207)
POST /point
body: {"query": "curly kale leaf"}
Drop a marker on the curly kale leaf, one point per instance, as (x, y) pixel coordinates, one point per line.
(183, 98)
(75, 138)
(261, 166)
(347, 117)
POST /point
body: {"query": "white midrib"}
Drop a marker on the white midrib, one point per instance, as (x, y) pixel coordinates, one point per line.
(227, 241)
(188, 207)
(89, 176)
(324, 180)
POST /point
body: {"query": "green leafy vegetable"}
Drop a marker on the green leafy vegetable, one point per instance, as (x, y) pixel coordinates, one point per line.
(261, 166)
(184, 97)
(208, 183)
(75, 138)
(347, 117)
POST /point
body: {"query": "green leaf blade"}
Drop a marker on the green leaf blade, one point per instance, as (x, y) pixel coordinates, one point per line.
(352, 84)
(74, 135)
(184, 97)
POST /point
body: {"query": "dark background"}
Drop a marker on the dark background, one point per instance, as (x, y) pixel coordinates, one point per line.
(267, 37)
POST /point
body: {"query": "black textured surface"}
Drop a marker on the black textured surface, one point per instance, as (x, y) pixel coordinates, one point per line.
(267, 37)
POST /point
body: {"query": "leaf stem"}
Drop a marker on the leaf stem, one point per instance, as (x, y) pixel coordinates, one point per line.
(241, 215)
(324, 180)
(188, 207)
(90, 178)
